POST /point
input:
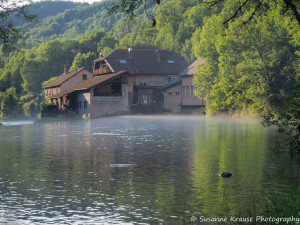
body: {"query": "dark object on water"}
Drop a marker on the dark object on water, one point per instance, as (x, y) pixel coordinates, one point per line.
(154, 23)
(225, 174)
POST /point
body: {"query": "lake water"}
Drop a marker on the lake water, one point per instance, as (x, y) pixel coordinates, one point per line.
(137, 170)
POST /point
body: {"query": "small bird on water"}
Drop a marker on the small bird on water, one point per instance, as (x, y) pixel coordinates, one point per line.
(225, 174)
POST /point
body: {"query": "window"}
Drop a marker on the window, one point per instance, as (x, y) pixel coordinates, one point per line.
(192, 91)
(187, 91)
(79, 104)
(177, 93)
(144, 99)
(170, 61)
(84, 77)
(169, 93)
(143, 84)
(123, 61)
(171, 78)
(56, 90)
(85, 104)
(97, 65)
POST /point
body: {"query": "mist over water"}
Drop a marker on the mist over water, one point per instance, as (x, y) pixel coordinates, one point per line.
(137, 169)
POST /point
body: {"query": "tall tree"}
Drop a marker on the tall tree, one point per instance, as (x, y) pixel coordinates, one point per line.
(9, 34)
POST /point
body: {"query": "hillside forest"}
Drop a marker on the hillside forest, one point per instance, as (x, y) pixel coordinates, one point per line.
(250, 68)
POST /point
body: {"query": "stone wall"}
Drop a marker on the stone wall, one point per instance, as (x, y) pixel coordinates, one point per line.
(188, 95)
(107, 105)
(172, 98)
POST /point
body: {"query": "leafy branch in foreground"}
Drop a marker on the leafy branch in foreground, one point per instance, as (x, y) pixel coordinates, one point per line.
(131, 6)
(259, 4)
(9, 34)
(287, 121)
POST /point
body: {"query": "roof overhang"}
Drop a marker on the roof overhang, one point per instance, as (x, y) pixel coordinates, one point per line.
(87, 87)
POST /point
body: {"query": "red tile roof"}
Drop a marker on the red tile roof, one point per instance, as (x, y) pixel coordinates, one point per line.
(145, 61)
(191, 70)
(63, 77)
(89, 83)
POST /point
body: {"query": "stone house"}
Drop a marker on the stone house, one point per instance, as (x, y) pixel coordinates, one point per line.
(66, 80)
(179, 94)
(99, 95)
(152, 69)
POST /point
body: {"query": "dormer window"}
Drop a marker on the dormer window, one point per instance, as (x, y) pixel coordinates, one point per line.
(84, 77)
(123, 61)
(172, 78)
(97, 65)
(170, 61)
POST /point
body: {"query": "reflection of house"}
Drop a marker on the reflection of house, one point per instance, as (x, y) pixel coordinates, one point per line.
(152, 69)
(179, 94)
(66, 80)
(98, 95)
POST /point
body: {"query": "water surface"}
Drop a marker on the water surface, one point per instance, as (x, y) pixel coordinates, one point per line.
(136, 170)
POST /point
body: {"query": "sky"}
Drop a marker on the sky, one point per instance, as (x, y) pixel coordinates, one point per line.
(88, 1)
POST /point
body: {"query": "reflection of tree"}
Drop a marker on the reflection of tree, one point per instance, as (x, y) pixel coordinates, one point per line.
(234, 147)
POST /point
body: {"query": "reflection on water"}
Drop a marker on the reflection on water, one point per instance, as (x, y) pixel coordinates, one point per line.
(136, 170)
(16, 123)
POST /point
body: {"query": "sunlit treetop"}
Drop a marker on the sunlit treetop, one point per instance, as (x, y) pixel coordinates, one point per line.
(254, 6)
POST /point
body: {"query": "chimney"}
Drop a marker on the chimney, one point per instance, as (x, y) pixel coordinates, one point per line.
(157, 55)
(130, 53)
(66, 66)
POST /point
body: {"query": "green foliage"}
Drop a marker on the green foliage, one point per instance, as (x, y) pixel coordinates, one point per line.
(253, 68)
(287, 120)
(30, 108)
(89, 42)
(49, 81)
(106, 42)
(44, 9)
(246, 65)
(70, 23)
(8, 103)
(85, 59)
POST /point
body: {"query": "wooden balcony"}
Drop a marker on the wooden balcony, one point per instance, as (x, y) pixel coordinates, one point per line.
(100, 71)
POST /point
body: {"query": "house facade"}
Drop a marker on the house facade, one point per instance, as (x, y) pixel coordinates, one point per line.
(152, 69)
(66, 80)
(98, 96)
(179, 94)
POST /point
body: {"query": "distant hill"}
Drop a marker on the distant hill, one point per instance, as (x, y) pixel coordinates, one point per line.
(69, 23)
(44, 9)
